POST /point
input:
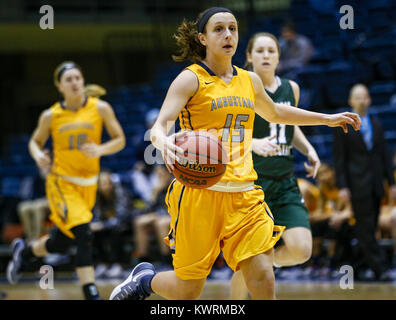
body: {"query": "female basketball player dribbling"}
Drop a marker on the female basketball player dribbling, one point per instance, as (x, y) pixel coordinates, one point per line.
(230, 216)
(75, 125)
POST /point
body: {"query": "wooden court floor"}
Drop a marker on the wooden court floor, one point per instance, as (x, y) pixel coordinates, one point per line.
(214, 290)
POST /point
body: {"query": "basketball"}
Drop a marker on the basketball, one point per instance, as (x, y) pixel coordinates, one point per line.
(205, 160)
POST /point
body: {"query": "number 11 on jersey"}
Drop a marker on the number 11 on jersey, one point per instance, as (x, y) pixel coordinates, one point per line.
(280, 131)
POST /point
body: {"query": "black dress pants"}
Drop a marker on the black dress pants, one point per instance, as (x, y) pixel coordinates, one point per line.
(368, 252)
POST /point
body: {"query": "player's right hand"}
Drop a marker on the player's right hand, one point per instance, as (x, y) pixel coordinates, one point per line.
(170, 151)
(43, 159)
(314, 163)
(266, 146)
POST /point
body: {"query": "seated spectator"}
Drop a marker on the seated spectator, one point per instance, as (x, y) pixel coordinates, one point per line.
(143, 180)
(11, 227)
(112, 217)
(310, 193)
(144, 140)
(142, 177)
(387, 217)
(331, 205)
(387, 225)
(330, 217)
(296, 51)
(154, 218)
(14, 190)
(34, 209)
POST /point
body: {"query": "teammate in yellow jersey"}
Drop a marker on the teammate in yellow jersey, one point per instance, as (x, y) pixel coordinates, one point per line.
(231, 216)
(75, 125)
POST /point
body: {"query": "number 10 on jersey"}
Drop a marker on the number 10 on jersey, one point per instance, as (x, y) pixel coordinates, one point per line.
(76, 141)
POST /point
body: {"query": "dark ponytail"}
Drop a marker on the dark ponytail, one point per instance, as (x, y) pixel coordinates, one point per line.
(190, 47)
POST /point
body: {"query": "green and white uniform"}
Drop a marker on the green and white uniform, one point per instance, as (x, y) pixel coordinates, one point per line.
(276, 173)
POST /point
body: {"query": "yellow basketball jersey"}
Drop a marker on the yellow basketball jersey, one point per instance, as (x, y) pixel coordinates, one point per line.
(226, 110)
(69, 131)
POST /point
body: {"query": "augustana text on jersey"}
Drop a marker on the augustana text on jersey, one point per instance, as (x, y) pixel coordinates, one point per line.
(231, 101)
(76, 125)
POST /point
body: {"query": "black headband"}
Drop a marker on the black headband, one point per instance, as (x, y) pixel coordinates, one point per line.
(67, 66)
(206, 16)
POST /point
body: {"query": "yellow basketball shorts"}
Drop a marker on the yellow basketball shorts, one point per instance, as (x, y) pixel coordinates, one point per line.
(70, 204)
(205, 222)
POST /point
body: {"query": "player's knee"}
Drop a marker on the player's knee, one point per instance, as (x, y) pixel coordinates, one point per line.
(263, 280)
(190, 290)
(58, 245)
(83, 237)
(302, 252)
(191, 294)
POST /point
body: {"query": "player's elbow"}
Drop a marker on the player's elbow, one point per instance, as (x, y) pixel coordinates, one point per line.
(31, 146)
(118, 143)
(275, 118)
(274, 115)
(35, 143)
(152, 135)
(268, 113)
(155, 131)
(122, 142)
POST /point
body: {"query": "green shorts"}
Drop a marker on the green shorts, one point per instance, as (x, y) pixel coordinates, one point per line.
(285, 201)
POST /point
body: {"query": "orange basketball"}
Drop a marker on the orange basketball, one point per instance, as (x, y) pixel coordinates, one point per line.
(205, 160)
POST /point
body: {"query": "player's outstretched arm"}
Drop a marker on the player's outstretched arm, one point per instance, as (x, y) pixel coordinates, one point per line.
(279, 113)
